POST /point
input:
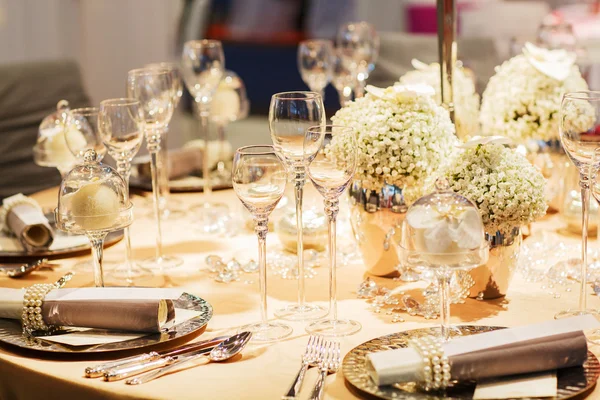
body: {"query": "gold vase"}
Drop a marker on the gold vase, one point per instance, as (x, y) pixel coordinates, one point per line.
(493, 278)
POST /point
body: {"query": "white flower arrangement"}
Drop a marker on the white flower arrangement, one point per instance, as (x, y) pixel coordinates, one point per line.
(403, 136)
(465, 94)
(522, 100)
(506, 188)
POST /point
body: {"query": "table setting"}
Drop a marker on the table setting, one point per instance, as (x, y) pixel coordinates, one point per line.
(406, 246)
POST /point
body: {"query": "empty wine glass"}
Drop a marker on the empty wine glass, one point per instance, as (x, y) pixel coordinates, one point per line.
(154, 90)
(93, 201)
(82, 133)
(579, 126)
(169, 207)
(343, 78)
(441, 233)
(203, 65)
(121, 129)
(331, 155)
(290, 115)
(358, 43)
(259, 179)
(315, 63)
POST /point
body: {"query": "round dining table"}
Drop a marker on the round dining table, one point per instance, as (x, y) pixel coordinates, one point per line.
(264, 371)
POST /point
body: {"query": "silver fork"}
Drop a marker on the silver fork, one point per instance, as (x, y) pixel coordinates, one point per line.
(313, 348)
(330, 362)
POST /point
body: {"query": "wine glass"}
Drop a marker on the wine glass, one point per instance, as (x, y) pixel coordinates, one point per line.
(259, 179)
(121, 129)
(153, 88)
(343, 79)
(170, 208)
(315, 64)
(358, 43)
(442, 233)
(579, 127)
(93, 201)
(203, 65)
(82, 133)
(331, 154)
(290, 115)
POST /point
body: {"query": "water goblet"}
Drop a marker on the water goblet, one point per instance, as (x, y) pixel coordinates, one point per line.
(315, 64)
(331, 156)
(122, 131)
(290, 115)
(259, 179)
(579, 128)
(153, 88)
(343, 78)
(442, 233)
(203, 65)
(93, 201)
(358, 43)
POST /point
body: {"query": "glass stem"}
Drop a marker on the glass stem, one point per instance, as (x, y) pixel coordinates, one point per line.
(97, 241)
(124, 169)
(360, 85)
(204, 114)
(584, 182)
(261, 228)
(444, 274)
(300, 179)
(163, 171)
(221, 137)
(345, 95)
(153, 139)
(331, 210)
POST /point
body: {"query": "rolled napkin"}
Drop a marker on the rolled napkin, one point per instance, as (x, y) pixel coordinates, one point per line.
(532, 348)
(23, 217)
(126, 309)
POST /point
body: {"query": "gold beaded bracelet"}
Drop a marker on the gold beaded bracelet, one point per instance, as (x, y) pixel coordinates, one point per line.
(436, 367)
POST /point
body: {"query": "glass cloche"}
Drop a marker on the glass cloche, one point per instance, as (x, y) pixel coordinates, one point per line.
(230, 102)
(442, 232)
(93, 200)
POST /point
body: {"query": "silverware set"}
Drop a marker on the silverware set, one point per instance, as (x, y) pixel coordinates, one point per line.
(23, 269)
(156, 364)
(322, 354)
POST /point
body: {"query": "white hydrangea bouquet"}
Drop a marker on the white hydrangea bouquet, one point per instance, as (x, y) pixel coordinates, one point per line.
(505, 186)
(465, 94)
(403, 136)
(522, 100)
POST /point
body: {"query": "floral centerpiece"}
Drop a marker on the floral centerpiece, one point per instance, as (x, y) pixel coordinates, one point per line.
(522, 100)
(466, 98)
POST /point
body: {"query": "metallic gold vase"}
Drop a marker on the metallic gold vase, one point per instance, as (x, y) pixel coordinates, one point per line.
(493, 278)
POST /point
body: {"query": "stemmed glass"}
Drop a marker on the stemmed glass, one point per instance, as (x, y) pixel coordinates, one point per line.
(330, 154)
(290, 115)
(315, 64)
(203, 65)
(259, 179)
(358, 43)
(122, 131)
(579, 126)
(82, 133)
(154, 90)
(169, 207)
(343, 79)
(93, 201)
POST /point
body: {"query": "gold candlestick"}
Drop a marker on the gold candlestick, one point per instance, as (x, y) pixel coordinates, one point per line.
(446, 20)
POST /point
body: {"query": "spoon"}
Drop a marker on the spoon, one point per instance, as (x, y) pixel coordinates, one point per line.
(21, 270)
(224, 351)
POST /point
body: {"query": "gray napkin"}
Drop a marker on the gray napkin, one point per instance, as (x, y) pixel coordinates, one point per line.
(30, 226)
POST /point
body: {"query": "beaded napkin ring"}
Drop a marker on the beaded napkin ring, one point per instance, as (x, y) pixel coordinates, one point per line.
(436, 368)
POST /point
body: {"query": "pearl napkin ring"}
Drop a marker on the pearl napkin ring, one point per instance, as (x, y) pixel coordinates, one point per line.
(436, 367)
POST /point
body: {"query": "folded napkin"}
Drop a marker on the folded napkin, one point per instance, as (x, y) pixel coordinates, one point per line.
(126, 309)
(23, 217)
(532, 348)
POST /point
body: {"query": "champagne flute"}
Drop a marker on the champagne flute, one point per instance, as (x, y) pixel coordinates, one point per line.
(290, 115)
(203, 65)
(358, 43)
(315, 64)
(122, 131)
(170, 208)
(259, 179)
(343, 79)
(154, 90)
(579, 126)
(330, 154)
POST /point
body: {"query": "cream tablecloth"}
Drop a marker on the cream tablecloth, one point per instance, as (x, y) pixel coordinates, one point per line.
(264, 371)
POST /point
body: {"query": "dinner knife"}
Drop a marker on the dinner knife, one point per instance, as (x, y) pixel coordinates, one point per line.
(99, 370)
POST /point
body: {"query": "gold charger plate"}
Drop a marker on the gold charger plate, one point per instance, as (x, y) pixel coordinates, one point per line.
(12, 333)
(572, 382)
